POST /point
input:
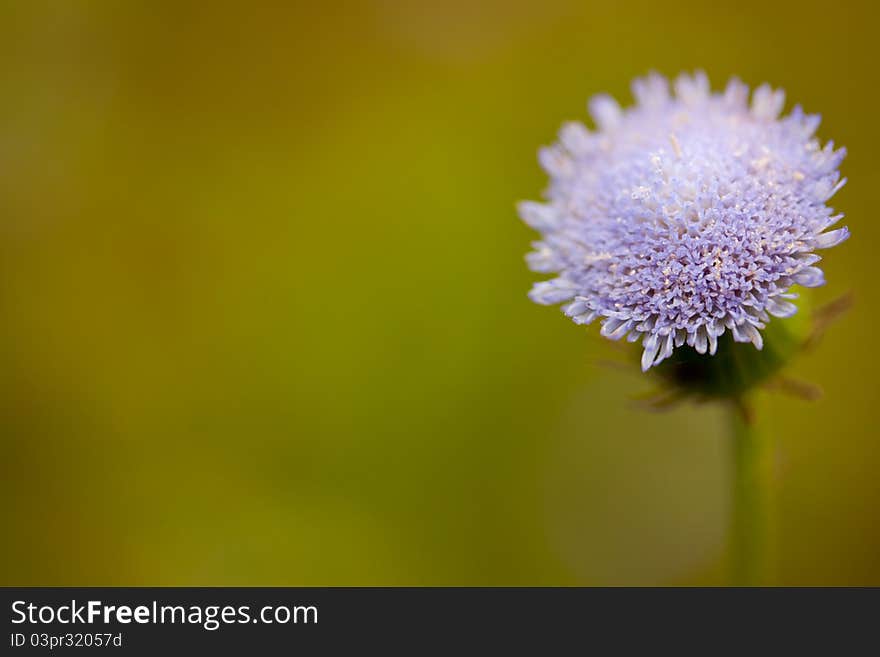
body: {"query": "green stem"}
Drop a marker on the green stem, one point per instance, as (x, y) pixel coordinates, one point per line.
(752, 538)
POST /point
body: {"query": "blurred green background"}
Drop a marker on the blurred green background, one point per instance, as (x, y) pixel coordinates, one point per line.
(263, 300)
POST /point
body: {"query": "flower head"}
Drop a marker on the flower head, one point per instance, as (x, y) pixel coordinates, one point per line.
(684, 216)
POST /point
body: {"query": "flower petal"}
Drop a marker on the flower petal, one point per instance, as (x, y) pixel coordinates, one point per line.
(809, 277)
(831, 238)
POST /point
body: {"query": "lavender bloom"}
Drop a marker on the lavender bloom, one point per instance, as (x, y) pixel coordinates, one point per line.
(685, 215)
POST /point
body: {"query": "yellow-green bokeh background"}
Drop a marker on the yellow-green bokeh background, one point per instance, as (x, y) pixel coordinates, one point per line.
(263, 300)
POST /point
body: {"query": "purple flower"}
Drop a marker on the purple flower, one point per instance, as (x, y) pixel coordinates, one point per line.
(685, 215)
